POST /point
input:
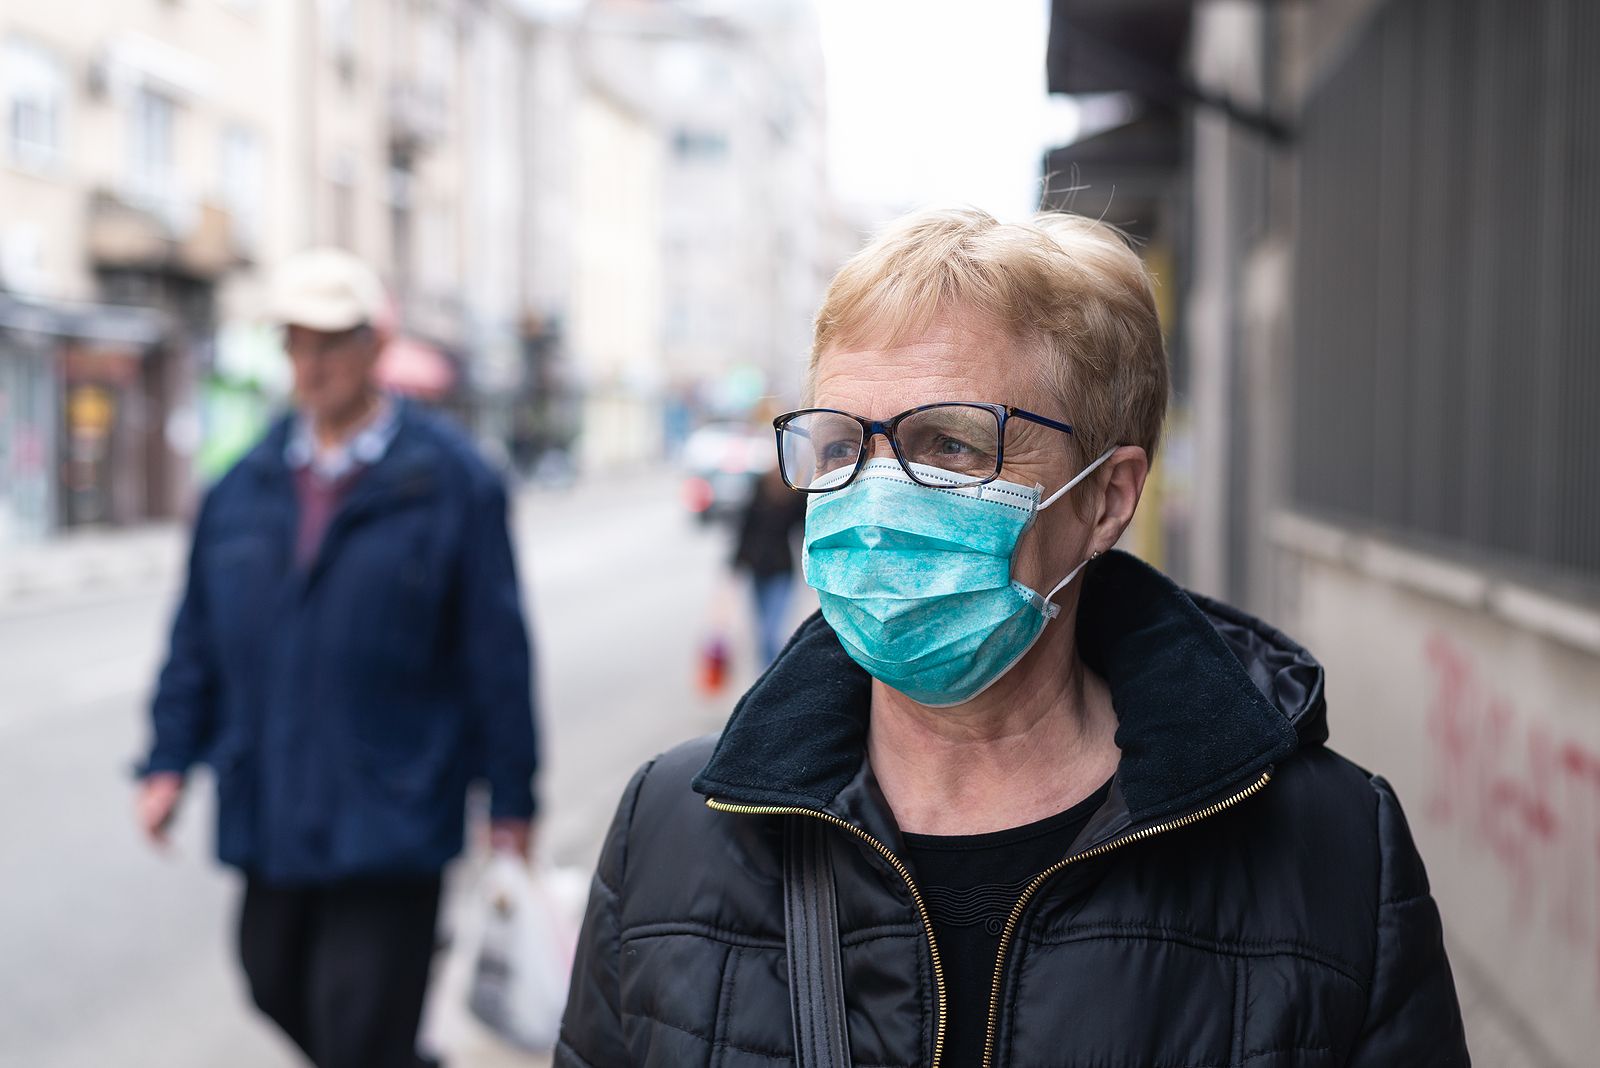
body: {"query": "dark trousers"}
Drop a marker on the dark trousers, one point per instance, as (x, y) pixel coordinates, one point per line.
(342, 968)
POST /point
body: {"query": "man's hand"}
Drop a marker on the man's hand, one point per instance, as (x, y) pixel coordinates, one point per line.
(158, 800)
(512, 836)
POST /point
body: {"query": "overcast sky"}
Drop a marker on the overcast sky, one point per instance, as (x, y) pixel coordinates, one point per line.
(939, 101)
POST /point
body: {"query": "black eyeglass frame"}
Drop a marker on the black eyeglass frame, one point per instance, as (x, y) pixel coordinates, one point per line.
(870, 429)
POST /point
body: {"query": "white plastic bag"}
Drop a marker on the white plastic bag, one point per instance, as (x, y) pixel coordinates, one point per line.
(510, 959)
(524, 961)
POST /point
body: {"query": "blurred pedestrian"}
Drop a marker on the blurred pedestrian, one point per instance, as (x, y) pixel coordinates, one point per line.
(349, 654)
(764, 552)
(1012, 797)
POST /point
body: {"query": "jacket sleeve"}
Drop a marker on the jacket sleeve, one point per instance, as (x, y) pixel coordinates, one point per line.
(591, 1029)
(1413, 1017)
(499, 659)
(183, 712)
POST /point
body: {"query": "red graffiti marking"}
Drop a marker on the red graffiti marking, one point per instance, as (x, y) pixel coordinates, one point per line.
(1530, 801)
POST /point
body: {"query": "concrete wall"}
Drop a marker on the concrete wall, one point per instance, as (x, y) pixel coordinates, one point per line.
(1480, 701)
(1226, 57)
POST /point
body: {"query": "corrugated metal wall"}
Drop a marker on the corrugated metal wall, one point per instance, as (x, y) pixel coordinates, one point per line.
(1447, 359)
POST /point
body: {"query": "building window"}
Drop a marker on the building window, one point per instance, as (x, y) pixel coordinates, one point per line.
(437, 52)
(242, 184)
(702, 145)
(34, 87)
(339, 35)
(151, 119)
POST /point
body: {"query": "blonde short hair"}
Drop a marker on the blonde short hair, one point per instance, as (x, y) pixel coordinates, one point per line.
(1065, 283)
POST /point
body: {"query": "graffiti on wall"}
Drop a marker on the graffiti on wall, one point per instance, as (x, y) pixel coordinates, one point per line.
(1525, 796)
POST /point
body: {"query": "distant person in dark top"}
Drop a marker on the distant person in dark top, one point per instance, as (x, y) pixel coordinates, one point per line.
(764, 551)
(1012, 798)
(349, 655)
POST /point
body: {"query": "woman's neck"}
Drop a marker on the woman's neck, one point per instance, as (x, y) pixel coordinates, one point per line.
(1037, 742)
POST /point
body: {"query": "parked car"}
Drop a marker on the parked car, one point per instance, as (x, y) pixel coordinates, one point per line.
(721, 463)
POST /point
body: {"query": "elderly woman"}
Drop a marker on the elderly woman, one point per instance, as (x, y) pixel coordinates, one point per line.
(1012, 797)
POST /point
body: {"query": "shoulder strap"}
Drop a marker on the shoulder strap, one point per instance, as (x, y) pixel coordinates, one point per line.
(811, 929)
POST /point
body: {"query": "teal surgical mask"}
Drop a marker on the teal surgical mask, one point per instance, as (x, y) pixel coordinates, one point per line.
(917, 584)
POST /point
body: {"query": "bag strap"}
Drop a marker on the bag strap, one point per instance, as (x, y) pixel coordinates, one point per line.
(811, 930)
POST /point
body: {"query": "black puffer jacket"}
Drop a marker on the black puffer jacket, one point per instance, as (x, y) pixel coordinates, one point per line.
(1245, 897)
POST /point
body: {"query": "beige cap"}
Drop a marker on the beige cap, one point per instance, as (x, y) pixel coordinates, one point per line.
(326, 289)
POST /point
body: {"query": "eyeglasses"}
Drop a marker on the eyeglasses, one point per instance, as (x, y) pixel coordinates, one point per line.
(823, 449)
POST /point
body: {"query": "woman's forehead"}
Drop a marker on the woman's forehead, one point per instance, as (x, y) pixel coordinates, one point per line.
(959, 358)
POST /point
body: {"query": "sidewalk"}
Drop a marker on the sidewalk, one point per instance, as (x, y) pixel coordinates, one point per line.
(112, 560)
(99, 561)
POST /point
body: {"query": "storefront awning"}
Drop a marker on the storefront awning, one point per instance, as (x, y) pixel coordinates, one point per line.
(122, 326)
(1124, 175)
(1102, 46)
(415, 368)
(1138, 47)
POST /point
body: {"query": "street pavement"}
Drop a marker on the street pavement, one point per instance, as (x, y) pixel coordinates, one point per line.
(112, 955)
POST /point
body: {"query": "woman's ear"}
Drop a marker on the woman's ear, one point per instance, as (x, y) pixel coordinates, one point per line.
(1121, 485)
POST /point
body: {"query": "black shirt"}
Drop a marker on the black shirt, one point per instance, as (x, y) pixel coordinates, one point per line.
(970, 883)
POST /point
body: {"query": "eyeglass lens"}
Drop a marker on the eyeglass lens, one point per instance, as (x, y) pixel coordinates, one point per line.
(959, 439)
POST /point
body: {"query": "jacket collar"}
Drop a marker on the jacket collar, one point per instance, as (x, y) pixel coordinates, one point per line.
(1207, 698)
(406, 463)
(408, 470)
(364, 448)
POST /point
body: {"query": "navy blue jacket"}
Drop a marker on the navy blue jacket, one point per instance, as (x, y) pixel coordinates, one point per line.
(345, 707)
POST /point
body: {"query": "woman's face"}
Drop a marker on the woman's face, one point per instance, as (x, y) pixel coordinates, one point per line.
(967, 358)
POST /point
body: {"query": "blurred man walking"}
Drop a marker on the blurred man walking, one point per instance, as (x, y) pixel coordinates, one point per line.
(349, 655)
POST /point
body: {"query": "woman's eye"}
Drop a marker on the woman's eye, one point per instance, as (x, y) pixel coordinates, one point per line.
(952, 447)
(837, 450)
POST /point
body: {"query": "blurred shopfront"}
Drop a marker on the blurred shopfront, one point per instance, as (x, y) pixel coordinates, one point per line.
(27, 422)
(88, 426)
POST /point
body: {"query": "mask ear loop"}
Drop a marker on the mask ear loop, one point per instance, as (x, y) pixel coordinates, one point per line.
(1048, 606)
(1079, 477)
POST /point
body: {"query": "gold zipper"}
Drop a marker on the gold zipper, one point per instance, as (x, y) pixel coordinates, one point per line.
(1099, 850)
(894, 862)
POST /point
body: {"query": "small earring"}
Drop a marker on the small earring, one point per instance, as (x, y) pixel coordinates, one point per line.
(1094, 554)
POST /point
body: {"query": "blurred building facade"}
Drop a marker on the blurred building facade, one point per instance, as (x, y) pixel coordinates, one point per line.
(595, 218)
(617, 278)
(159, 156)
(723, 176)
(1386, 258)
(133, 140)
